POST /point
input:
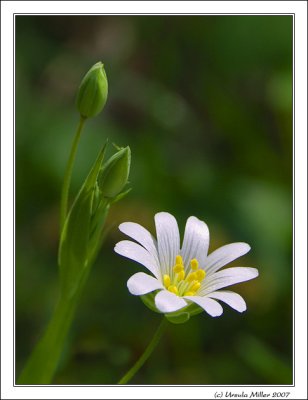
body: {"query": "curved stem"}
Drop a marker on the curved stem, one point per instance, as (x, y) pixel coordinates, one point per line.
(148, 351)
(68, 173)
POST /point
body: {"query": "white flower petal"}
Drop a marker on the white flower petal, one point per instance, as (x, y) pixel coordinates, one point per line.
(211, 306)
(234, 300)
(227, 277)
(167, 302)
(196, 241)
(141, 283)
(168, 240)
(225, 255)
(141, 235)
(137, 253)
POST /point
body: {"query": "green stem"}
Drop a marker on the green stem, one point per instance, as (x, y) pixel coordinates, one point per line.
(148, 351)
(43, 361)
(68, 173)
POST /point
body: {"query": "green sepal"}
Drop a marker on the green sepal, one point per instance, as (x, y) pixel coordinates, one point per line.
(193, 309)
(183, 315)
(74, 243)
(120, 196)
(177, 317)
(148, 300)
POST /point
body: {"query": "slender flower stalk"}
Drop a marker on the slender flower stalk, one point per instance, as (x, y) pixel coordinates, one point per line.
(148, 351)
(68, 173)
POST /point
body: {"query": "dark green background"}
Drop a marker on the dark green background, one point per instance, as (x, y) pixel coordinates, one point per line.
(205, 103)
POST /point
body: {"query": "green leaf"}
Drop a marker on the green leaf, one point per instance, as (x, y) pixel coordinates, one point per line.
(74, 244)
(96, 229)
(80, 242)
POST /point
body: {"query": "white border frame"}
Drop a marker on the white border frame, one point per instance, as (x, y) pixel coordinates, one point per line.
(8, 9)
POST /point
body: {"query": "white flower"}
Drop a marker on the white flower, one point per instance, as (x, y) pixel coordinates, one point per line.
(183, 274)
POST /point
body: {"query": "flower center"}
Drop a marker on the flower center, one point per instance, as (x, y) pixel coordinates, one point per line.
(181, 284)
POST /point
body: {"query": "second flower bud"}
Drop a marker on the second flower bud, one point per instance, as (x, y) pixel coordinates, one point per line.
(114, 174)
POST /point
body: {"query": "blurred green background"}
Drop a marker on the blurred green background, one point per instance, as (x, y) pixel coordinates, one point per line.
(205, 103)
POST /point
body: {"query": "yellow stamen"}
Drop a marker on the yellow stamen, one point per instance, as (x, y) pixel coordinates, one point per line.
(179, 260)
(189, 293)
(194, 264)
(178, 283)
(191, 277)
(181, 275)
(167, 280)
(195, 286)
(200, 274)
(178, 268)
(173, 289)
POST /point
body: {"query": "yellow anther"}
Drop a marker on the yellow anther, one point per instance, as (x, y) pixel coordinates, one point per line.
(189, 293)
(179, 260)
(200, 274)
(194, 264)
(195, 286)
(167, 280)
(191, 277)
(173, 289)
(178, 268)
(181, 275)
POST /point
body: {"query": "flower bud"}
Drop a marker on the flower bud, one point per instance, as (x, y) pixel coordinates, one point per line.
(93, 91)
(114, 174)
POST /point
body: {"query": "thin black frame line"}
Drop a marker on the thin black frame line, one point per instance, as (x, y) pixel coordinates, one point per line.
(125, 386)
(162, 1)
(293, 198)
(204, 386)
(293, 203)
(151, 14)
(14, 206)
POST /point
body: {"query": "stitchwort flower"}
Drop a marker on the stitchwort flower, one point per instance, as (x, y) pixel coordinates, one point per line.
(187, 275)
